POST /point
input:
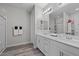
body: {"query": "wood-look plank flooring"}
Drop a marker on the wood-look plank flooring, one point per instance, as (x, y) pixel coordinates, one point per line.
(22, 50)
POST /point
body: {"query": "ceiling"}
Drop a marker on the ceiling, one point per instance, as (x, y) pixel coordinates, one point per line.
(41, 5)
(27, 6)
(69, 8)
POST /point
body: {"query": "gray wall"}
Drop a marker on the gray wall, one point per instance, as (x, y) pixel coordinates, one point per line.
(16, 16)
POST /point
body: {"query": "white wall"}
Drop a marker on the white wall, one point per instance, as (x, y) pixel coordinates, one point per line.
(32, 26)
(35, 15)
(16, 16)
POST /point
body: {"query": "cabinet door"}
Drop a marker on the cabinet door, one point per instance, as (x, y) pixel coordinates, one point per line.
(40, 42)
(43, 44)
(49, 49)
(54, 50)
(2, 34)
(46, 46)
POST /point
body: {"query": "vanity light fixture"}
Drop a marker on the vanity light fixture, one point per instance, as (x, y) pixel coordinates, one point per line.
(48, 11)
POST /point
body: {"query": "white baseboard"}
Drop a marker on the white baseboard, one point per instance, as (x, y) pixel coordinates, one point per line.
(18, 44)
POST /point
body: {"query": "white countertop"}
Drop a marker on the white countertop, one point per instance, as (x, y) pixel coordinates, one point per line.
(62, 39)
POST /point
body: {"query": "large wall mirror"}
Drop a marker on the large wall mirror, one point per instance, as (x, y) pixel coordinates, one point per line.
(65, 19)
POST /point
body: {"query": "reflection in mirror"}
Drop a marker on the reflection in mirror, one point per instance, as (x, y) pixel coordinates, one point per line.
(65, 20)
(43, 25)
(52, 23)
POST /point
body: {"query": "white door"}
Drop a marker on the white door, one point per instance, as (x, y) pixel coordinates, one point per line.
(2, 34)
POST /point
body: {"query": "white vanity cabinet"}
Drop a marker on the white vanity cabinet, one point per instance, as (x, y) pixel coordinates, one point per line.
(60, 49)
(67, 50)
(43, 44)
(52, 47)
(46, 46)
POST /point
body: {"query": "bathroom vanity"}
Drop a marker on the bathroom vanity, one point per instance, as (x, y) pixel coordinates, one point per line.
(64, 29)
(57, 46)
